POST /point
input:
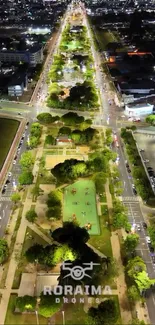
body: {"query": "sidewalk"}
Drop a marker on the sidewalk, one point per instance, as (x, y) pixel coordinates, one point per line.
(19, 243)
(120, 280)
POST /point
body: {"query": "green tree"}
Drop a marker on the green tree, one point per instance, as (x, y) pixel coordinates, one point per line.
(15, 197)
(26, 303)
(150, 119)
(31, 215)
(27, 160)
(143, 281)
(35, 252)
(120, 220)
(48, 305)
(50, 140)
(105, 313)
(33, 141)
(99, 180)
(4, 250)
(35, 130)
(36, 191)
(54, 198)
(72, 119)
(133, 294)
(45, 118)
(130, 243)
(65, 130)
(135, 266)
(151, 231)
(26, 178)
(54, 212)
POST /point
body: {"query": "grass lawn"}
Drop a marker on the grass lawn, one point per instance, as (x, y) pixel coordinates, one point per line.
(12, 318)
(102, 242)
(31, 238)
(8, 129)
(74, 314)
(80, 205)
(73, 45)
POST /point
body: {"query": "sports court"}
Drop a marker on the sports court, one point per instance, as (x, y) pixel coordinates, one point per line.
(80, 205)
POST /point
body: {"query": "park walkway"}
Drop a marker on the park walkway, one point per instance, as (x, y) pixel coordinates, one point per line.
(120, 280)
(19, 241)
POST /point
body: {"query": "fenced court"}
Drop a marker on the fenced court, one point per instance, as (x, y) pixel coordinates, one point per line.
(80, 205)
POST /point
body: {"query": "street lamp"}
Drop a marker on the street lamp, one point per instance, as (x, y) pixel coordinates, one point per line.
(36, 311)
(63, 317)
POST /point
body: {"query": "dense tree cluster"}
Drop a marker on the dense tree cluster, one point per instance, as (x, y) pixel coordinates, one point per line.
(4, 251)
(26, 162)
(35, 134)
(54, 205)
(105, 313)
(120, 219)
(71, 169)
(47, 118)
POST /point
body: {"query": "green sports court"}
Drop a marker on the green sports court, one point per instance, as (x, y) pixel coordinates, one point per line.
(80, 205)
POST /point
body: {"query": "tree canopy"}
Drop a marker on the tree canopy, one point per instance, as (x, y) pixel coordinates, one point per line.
(26, 178)
(31, 215)
(105, 313)
(4, 250)
(27, 160)
(26, 303)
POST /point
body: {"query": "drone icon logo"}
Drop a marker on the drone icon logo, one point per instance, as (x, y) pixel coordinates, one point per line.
(78, 272)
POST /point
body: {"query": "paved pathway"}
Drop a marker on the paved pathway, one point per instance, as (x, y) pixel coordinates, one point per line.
(19, 242)
(120, 280)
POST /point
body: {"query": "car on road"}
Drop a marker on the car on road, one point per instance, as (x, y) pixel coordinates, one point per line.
(145, 160)
(19, 113)
(27, 123)
(3, 190)
(149, 168)
(148, 239)
(7, 181)
(138, 227)
(14, 162)
(141, 150)
(151, 248)
(151, 173)
(134, 189)
(9, 174)
(144, 225)
(128, 169)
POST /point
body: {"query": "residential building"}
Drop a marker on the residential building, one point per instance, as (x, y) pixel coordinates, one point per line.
(17, 85)
(139, 109)
(33, 56)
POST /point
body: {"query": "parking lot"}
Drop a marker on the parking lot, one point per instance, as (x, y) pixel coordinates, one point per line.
(146, 142)
(146, 146)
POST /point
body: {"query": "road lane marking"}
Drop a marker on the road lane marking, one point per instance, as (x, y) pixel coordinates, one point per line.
(153, 300)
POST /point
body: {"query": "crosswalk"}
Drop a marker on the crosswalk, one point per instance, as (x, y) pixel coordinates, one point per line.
(5, 198)
(130, 198)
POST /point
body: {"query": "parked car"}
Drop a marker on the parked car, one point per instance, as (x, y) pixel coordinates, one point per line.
(3, 190)
(9, 174)
(146, 160)
(141, 150)
(138, 227)
(148, 239)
